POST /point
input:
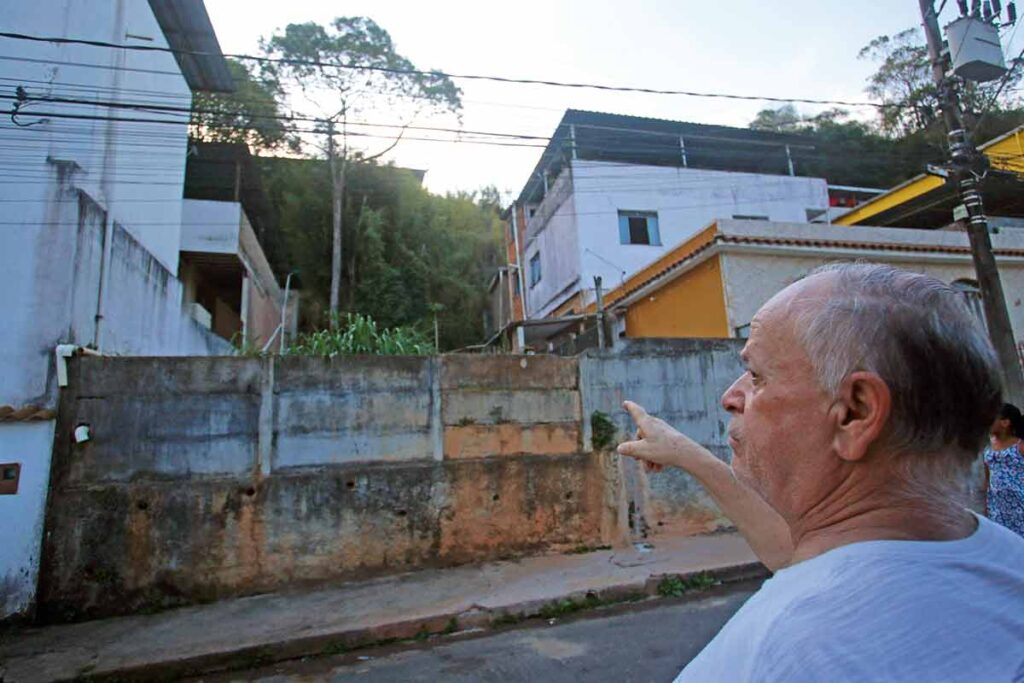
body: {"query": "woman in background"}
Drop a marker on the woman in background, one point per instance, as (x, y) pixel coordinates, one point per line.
(1004, 469)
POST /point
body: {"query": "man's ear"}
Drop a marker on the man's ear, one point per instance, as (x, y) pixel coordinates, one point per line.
(861, 411)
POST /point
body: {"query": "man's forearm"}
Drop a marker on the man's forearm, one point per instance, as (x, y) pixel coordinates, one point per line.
(765, 530)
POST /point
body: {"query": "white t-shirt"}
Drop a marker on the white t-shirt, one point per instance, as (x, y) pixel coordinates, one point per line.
(882, 611)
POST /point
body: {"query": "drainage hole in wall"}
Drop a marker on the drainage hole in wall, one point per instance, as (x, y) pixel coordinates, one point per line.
(402, 513)
(250, 491)
(568, 495)
(495, 497)
(350, 484)
(142, 505)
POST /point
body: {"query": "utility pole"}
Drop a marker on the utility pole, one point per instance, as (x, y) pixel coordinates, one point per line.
(337, 192)
(967, 165)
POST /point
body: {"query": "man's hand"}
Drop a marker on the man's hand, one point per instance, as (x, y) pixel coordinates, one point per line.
(657, 444)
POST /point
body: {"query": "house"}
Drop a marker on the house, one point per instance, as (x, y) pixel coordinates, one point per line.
(229, 286)
(94, 222)
(712, 284)
(613, 193)
(928, 201)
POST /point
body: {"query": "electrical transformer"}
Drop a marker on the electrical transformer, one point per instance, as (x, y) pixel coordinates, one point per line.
(975, 50)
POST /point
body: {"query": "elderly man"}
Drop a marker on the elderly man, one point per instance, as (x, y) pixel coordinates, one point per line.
(869, 392)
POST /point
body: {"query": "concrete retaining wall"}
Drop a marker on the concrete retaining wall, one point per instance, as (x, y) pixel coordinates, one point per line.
(208, 478)
(213, 477)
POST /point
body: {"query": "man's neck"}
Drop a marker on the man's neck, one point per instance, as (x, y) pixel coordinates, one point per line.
(875, 517)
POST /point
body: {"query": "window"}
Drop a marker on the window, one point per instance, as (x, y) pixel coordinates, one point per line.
(749, 217)
(534, 269)
(639, 227)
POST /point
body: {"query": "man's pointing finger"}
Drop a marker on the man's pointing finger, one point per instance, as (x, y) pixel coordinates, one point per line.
(635, 411)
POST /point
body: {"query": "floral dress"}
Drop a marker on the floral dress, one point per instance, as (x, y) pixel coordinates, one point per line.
(1006, 487)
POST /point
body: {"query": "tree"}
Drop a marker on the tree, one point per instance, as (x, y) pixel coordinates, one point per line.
(348, 69)
(903, 81)
(251, 115)
(415, 252)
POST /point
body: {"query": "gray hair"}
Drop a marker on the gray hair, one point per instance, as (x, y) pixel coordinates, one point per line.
(918, 335)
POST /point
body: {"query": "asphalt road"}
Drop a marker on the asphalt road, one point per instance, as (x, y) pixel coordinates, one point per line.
(648, 642)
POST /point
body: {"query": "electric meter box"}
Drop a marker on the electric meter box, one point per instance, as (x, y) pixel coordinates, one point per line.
(975, 50)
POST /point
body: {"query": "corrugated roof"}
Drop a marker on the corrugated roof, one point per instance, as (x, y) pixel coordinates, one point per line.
(187, 27)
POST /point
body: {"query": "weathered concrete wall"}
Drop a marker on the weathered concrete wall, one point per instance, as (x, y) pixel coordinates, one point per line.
(215, 477)
(680, 381)
(506, 405)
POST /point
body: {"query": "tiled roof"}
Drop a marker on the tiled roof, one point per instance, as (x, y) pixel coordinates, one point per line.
(903, 247)
(867, 246)
(26, 414)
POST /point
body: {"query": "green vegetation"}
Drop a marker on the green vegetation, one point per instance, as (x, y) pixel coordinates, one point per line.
(359, 334)
(409, 254)
(602, 430)
(677, 586)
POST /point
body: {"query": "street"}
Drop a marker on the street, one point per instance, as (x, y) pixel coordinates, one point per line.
(638, 643)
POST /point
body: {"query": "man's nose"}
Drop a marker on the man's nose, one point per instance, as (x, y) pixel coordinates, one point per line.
(732, 399)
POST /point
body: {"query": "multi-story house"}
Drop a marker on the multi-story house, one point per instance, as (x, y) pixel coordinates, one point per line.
(93, 149)
(613, 193)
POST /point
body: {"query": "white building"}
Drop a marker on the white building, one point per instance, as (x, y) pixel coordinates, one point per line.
(612, 193)
(91, 227)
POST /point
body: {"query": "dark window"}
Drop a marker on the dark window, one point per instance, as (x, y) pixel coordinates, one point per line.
(639, 227)
(534, 269)
(638, 233)
(748, 217)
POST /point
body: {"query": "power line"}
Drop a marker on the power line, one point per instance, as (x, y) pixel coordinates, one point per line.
(163, 108)
(443, 74)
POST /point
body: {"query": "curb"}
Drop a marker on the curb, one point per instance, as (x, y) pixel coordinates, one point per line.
(343, 641)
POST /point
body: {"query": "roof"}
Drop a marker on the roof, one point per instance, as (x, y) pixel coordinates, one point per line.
(226, 171)
(187, 27)
(927, 201)
(806, 236)
(601, 136)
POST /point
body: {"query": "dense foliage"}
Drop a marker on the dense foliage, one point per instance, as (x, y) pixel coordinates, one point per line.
(410, 255)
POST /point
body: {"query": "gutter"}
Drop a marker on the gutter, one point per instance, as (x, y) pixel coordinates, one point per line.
(65, 351)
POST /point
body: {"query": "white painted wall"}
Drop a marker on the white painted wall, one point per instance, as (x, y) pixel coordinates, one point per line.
(211, 226)
(135, 170)
(686, 201)
(28, 444)
(557, 241)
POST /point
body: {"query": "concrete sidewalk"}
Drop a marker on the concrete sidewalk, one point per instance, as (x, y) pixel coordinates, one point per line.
(265, 628)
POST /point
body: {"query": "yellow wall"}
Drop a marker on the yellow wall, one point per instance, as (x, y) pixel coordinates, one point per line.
(692, 305)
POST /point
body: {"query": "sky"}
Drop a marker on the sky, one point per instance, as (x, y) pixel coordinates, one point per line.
(796, 48)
